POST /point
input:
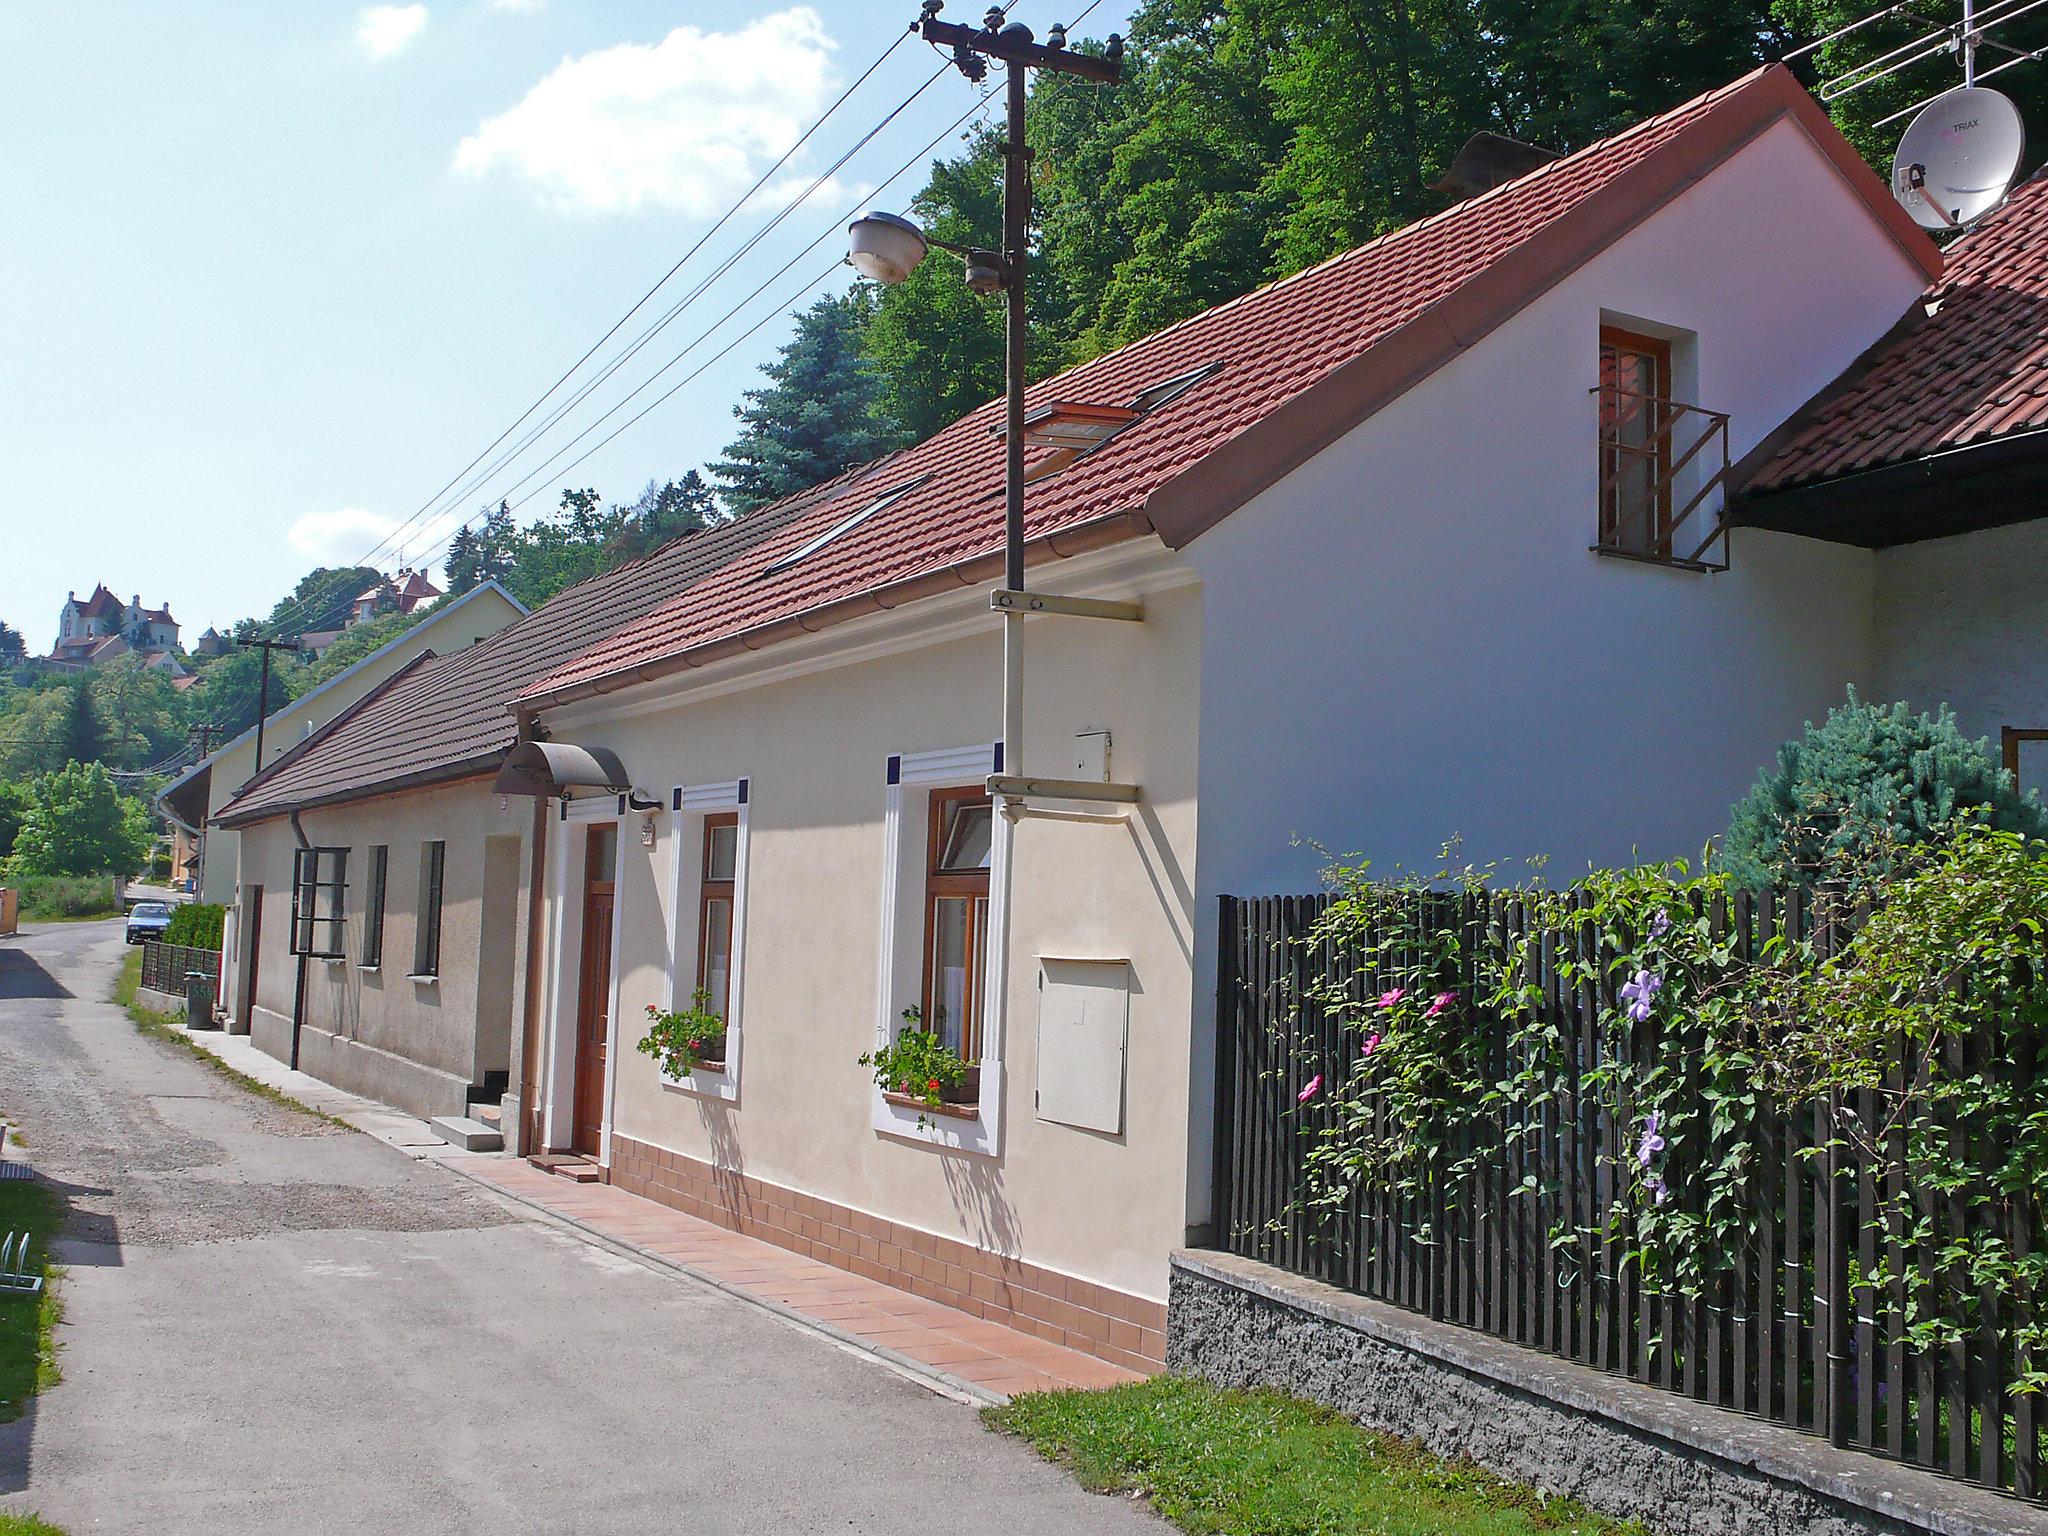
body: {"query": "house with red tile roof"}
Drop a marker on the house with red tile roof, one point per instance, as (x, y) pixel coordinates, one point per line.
(85, 628)
(1428, 541)
(1931, 451)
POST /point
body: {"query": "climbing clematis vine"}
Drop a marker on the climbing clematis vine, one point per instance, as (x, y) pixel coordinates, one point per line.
(1652, 1143)
(1640, 993)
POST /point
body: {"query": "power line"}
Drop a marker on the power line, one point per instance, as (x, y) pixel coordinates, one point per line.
(640, 303)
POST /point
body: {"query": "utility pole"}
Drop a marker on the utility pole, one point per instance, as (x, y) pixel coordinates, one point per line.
(263, 688)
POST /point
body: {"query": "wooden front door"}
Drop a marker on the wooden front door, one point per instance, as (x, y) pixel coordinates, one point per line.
(594, 987)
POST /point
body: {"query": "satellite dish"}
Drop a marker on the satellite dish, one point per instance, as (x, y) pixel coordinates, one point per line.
(1957, 157)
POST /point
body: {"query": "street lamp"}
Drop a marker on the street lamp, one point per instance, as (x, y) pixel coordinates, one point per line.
(887, 248)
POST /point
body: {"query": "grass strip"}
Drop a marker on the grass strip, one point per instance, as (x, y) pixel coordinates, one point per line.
(26, 1525)
(170, 1029)
(1213, 1461)
(28, 1324)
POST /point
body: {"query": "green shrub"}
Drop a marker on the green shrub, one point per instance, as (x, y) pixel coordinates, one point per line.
(1866, 783)
(47, 896)
(197, 925)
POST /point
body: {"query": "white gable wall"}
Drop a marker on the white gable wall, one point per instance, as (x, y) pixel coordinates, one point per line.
(1408, 638)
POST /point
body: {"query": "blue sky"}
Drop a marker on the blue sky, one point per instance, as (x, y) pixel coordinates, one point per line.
(275, 272)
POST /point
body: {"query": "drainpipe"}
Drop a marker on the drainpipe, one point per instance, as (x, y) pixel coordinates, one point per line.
(529, 1046)
(298, 981)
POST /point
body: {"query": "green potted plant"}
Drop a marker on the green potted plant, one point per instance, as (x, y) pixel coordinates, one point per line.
(687, 1040)
(919, 1068)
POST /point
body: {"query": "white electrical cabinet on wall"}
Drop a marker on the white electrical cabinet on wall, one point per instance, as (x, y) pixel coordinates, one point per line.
(1084, 1023)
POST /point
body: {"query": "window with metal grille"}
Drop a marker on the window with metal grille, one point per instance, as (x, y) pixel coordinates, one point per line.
(373, 908)
(426, 942)
(319, 889)
(1654, 450)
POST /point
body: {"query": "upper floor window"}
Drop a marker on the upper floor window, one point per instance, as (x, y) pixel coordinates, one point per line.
(1661, 458)
(714, 911)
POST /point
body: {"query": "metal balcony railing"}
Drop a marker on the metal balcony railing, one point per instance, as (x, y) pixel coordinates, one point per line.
(1644, 471)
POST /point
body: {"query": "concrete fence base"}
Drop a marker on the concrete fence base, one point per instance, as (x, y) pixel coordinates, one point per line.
(1682, 1468)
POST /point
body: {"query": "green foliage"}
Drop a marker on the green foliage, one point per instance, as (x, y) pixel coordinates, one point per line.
(1931, 1017)
(666, 510)
(351, 646)
(78, 823)
(1227, 1463)
(1868, 781)
(28, 1349)
(818, 413)
(917, 1063)
(13, 648)
(66, 896)
(197, 925)
(14, 801)
(323, 598)
(141, 715)
(81, 734)
(226, 693)
(683, 1041)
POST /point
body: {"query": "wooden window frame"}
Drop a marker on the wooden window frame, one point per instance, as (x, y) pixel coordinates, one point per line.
(708, 891)
(373, 907)
(2009, 739)
(319, 878)
(954, 885)
(1621, 338)
(426, 939)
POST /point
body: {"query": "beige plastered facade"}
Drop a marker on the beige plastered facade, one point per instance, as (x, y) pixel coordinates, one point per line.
(420, 1044)
(811, 726)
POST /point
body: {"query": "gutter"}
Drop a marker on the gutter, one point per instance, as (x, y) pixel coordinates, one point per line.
(1821, 508)
(977, 570)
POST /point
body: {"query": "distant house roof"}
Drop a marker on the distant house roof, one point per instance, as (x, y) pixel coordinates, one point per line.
(1917, 438)
(100, 602)
(1276, 376)
(159, 615)
(179, 795)
(454, 719)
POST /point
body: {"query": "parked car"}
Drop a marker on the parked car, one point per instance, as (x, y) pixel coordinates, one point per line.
(148, 920)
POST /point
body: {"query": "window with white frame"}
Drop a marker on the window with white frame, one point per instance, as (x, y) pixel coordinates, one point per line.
(942, 889)
(709, 922)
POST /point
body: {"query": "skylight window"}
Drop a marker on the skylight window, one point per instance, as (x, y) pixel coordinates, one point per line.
(1069, 429)
(851, 521)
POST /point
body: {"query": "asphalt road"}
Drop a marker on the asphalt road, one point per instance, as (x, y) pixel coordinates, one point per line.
(276, 1324)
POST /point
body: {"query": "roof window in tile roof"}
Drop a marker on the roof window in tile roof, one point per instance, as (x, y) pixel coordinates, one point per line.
(845, 525)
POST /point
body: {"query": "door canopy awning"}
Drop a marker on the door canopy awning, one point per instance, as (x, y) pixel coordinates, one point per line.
(559, 768)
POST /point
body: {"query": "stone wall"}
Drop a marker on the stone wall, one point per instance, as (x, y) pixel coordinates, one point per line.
(1613, 1444)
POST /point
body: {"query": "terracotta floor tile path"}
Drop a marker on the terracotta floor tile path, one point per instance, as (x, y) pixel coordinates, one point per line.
(969, 1354)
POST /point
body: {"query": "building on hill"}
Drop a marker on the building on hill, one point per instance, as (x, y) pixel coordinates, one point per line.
(86, 628)
(212, 643)
(403, 593)
(1398, 549)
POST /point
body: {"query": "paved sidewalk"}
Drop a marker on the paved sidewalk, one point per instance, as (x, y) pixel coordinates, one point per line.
(978, 1358)
(964, 1354)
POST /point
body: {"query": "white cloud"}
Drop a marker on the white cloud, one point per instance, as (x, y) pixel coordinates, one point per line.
(687, 123)
(385, 30)
(339, 537)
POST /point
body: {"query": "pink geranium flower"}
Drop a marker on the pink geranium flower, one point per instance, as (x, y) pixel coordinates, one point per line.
(1314, 1087)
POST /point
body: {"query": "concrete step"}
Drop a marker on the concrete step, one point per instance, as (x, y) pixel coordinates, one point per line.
(491, 1114)
(470, 1135)
(567, 1165)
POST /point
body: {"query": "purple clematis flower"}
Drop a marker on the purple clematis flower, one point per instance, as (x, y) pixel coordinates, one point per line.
(1640, 993)
(1372, 1043)
(1389, 999)
(1442, 1001)
(1313, 1087)
(1660, 925)
(1652, 1143)
(1657, 1188)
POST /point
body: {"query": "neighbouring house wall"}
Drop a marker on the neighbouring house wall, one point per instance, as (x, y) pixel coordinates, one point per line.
(456, 627)
(1964, 621)
(1103, 1207)
(1408, 638)
(419, 1045)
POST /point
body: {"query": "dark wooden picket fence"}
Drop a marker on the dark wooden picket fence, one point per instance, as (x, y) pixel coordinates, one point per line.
(164, 966)
(1783, 1326)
